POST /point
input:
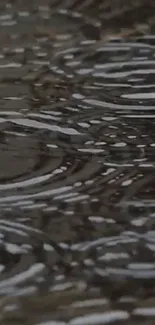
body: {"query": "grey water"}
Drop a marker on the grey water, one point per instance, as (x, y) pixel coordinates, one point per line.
(77, 168)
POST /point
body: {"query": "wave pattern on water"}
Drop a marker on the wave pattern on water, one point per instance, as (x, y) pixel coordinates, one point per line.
(77, 166)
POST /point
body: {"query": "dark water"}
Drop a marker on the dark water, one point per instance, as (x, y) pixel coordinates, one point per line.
(77, 169)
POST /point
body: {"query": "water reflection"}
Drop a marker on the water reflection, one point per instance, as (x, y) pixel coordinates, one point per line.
(77, 166)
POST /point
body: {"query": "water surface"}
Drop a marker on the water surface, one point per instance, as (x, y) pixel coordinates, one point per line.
(77, 169)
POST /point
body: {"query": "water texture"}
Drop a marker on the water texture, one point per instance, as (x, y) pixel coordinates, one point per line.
(77, 163)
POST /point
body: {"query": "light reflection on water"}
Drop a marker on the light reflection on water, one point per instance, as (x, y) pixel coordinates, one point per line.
(77, 161)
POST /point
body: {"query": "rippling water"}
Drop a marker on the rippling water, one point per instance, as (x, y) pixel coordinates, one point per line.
(77, 169)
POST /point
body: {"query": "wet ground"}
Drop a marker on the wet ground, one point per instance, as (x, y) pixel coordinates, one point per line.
(77, 165)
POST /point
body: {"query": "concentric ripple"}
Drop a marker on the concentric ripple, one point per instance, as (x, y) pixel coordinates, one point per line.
(77, 164)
